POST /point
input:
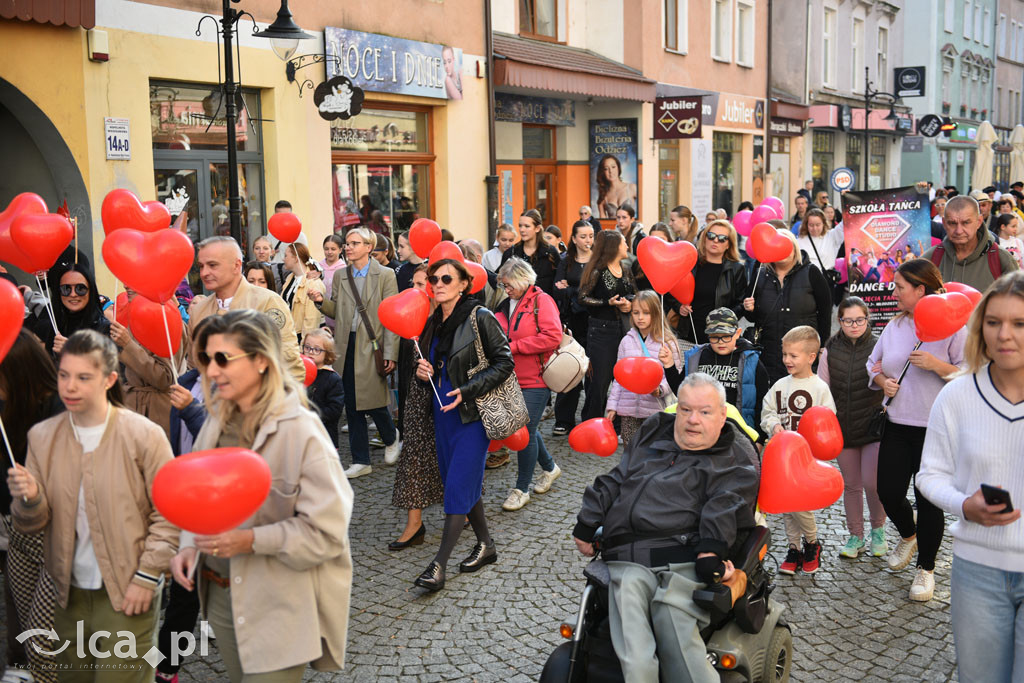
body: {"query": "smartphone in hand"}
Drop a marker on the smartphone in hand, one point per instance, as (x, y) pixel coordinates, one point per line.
(997, 496)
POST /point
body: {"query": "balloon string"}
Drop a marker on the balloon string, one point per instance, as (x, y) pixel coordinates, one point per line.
(416, 345)
(663, 337)
(757, 276)
(888, 399)
(45, 291)
(116, 284)
(694, 326)
(170, 347)
(195, 565)
(10, 453)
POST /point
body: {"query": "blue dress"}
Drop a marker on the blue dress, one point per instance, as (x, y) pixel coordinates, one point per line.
(461, 450)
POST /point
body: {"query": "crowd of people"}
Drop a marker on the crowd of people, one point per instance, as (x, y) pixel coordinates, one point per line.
(102, 414)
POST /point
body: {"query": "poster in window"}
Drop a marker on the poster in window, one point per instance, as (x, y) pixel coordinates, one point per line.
(613, 165)
(883, 229)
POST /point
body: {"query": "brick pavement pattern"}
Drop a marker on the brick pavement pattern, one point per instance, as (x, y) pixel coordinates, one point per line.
(852, 621)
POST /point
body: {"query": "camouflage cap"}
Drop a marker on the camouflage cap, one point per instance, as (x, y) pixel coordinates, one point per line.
(722, 321)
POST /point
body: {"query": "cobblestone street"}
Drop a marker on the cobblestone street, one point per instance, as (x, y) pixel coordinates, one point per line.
(851, 621)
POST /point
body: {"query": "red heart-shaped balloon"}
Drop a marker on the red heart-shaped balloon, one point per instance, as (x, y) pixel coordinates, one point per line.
(210, 492)
(23, 204)
(479, 274)
(310, 365)
(792, 480)
(424, 235)
(596, 435)
(405, 313)
(639, 374)
(771, 245)
(519, 439)
(153, 264)
(146, 322)
(446, 249)
(683, 290)
(663, 263)
(122, 209)
(968, 291)
(12, 316)
(820, 427)
(42, 238)
(939, 316)
(123, 308)
(285, 226)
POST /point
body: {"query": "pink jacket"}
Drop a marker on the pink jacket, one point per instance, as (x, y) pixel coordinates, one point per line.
(532, 337)
(627, 403)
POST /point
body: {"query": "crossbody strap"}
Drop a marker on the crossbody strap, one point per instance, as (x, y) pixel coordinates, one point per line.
(361, 308)
(816, 254)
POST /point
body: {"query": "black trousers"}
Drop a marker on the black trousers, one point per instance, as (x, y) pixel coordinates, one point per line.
(603, 337)
(899, 459)
(179, 617)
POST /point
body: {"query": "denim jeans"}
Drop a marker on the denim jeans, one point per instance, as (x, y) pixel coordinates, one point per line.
(987, 606)
(358, 434)
(536, 402)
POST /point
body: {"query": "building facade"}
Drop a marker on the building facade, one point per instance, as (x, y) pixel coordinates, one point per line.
(1009, 77)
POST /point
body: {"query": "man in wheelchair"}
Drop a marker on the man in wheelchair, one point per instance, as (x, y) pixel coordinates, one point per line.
(671, 511)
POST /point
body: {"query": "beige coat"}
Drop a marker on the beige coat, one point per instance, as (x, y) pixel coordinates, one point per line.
(380, 284)
(128, 532)
(264, 301)
(305, 315)
(290, 597)
(147, 381)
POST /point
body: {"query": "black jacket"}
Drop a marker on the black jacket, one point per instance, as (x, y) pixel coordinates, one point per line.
(327, 392)
(544, 262)
(463, 358)
(730, 290)
(659, 490)
(848, 381)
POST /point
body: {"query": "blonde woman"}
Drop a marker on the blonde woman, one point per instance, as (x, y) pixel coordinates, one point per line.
(275, 590)
(719, 281)
(684, 223)
(296, 288)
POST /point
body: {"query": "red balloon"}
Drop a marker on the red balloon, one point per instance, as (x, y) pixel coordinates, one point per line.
(519, 439)
(939, 316)
(741, 221)
(122, 209)
(820, 427)
(771, 245)
(285, 226)
(777, 205)
(23, 204)
(792, 480)
(311, 370)
(153, 264)
(42, 238)
(479, 274)
(12, 316)
(424, 235)
(210, 492)
(968, 291)
(146, 322)
(663, 263)
(596, 435)
(405, 313)
(639, 374)
(763, 214)
(446, 249)
(683, 290)
(123, 307)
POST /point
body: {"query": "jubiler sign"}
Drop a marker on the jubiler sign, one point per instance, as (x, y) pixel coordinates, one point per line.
(677, 117)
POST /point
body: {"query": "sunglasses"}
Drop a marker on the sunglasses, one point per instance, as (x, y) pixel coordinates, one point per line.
(445, 279)
(714, 237)
(80, 289)
(220, 358)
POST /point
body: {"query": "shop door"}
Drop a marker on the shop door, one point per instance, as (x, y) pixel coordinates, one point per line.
(539, 190)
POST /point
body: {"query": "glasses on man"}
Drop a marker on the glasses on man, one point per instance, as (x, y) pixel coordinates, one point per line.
(312, 350)
(220, 358)
(79, 289)
(715, 237)
(444, 279)
(853, 322)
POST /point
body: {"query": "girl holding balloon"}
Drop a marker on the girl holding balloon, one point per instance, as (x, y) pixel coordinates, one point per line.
(277, 572)
(88, 482)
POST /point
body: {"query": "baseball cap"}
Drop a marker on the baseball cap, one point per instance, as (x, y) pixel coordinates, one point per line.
(979, 196)
(722, 321)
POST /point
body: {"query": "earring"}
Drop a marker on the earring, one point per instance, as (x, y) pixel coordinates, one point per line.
(262, 370)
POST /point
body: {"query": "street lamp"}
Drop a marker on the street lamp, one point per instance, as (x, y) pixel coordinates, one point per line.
(284, 35)
(869, 97)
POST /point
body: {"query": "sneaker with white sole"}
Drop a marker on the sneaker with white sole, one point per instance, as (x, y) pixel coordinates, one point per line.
(344, 428)
(923, 587)
(358, 470)
(549, 413)
(377, 442)
(546, 479)
(15, 675)
(901, 555)
(879, 546)
(852, 548)
(391, 452)
(516, 500)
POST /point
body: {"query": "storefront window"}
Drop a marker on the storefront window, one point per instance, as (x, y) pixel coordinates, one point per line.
(189, 117)
(854, 160)
(382, 130)
(1001, 171)
(822, 160)
(668, 177)
(538, 142)
(727, 170)
(876, 163)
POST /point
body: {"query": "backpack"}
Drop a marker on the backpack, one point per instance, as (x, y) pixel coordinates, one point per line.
(993, 259)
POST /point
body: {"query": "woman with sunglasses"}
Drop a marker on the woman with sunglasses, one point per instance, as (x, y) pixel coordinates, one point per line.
(449, 341)
(719, 281)
(276, 589)
(87, 483)
(76, 306)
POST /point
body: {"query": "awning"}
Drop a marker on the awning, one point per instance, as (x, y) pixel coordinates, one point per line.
(538, 65)
(73, 13)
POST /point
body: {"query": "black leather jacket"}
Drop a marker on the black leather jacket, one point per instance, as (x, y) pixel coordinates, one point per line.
(463, 358)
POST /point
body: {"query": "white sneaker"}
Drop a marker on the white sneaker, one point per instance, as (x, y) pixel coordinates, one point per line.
(358, 470)
(901, 555)
(13, 675)
(516, 500)
(546, 479)
(923, 587)
(549, 413)
(344, 428)
(391, 452)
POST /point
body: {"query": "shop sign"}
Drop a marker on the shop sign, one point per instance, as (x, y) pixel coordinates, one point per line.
(701, 179)
(929, 125)
(758, 170)
(677, 118)
(613, 165)
(338, 99)
(386, 64)
(913, 143)
(904, 123)
(910, 81)
(787, 128)
(740, 111)
(117, 133)
(845, 117)
(964, 133)
(843, 179)
(543, 110)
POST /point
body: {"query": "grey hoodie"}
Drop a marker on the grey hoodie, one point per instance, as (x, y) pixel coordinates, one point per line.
(973, 270)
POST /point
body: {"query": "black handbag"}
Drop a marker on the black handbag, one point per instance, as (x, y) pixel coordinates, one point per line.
(876, 427)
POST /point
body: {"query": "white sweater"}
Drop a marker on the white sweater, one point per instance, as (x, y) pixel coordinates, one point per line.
(976, 436)
(789, 398)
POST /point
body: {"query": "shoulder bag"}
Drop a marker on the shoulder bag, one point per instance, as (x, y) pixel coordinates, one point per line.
(503, 408)
(378, 353)
(567, 365)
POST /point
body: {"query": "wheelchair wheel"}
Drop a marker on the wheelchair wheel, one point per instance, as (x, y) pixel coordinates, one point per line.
(778, 658)
(556, 669)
